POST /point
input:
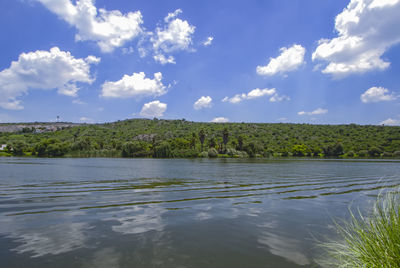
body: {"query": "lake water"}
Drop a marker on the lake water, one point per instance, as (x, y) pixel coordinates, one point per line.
(178, 212)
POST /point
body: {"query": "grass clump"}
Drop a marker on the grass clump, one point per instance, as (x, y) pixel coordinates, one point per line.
(372, 240)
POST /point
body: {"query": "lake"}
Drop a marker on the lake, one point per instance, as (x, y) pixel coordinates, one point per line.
(178, 212)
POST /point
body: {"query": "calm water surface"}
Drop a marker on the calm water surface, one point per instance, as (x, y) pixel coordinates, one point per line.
(178, 213)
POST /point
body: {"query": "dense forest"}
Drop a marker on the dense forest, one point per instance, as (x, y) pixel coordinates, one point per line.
(181, 138)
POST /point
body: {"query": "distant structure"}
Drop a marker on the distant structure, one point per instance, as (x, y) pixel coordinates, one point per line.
(3, 147)
(36, 127)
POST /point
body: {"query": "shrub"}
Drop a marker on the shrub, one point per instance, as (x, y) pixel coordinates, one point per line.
(231, 152)
(363, 153)
(5, 154)
(284, 153)
(333, 150)
(187, 154)
(374, 152)
(51, 148)
(387, 154)
(253, 148)
(212, 152)
(18, 147)
(396, 154)
(268, 153)
(163, 150)
(300, 150)
(203, 154)
(134, 149)
(370, 241)
(242, 154)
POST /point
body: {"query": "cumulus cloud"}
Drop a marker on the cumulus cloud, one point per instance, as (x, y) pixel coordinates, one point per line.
(163, 59)
(153, 109)
(109, 29)
(127, 50)
(279, 98)
(54, 69)
(377, 94)
(172, 15)
(366, 29)
(208, 41)
(135, 85)
(220, 120)
(86, 119)
(257, 93)
(391, 122)
(315, 112)
(175, 36)
(289, 60)
(203, 102)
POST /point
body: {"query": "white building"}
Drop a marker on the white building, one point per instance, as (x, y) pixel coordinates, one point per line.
(3, 147)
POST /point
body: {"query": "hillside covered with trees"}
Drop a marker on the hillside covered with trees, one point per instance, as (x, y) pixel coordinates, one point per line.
(181, 138)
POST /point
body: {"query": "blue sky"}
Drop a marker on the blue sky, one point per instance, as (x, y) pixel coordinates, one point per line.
(311, 61)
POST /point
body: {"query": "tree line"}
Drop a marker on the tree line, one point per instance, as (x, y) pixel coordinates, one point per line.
(183, 139)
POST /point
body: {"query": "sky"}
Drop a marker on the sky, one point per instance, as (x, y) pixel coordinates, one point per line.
(290, 61)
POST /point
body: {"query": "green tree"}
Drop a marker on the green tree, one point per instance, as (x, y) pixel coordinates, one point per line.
(193, 141)
(212, 143)
(202, 137)
(134, 149)
(163, 150)
(374, 152)
(51, 148)
(334, 150)
(300, 150)
(18, 147)
(253, 148)
(225, 137)
(240, 143)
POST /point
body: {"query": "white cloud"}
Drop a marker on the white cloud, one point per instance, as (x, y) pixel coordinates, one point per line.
(153, 109)
(78, 101)
(377, 94)
(54, 69)
(135, 85)
(86, 119)
(390, 122)
(127, 50)
(11, 104)
(289, 60)
(175, 36)
(220, 120)
(172, 15)
(283, 119)
(109, 29)
(208, 41)
(279, 98)
(203, 102)
(257, 93)
(164, 60)
(315, 112)
(366, 29)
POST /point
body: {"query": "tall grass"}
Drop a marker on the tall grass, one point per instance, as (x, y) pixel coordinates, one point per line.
(371, 240)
